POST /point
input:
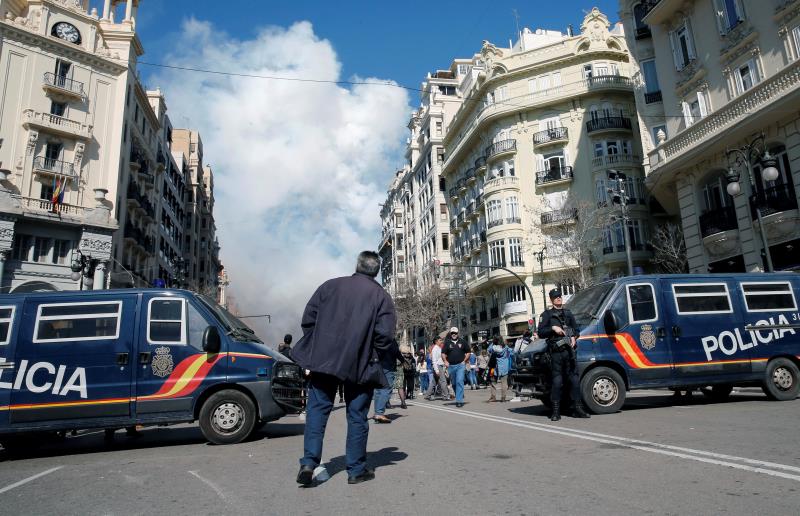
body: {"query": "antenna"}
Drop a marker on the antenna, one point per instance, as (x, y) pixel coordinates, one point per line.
(516, 19)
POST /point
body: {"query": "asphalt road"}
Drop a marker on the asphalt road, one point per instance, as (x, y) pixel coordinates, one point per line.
(654, 457)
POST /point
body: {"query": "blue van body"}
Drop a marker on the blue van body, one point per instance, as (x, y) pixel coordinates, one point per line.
(707, 331)
(119, 358)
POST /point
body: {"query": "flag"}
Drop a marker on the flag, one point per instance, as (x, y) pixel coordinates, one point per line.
(59, 185)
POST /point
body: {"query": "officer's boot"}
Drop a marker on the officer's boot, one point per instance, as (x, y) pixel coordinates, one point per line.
(556, 416)
(577, 410)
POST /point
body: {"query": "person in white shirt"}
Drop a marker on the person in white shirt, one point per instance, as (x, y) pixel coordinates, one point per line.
(438, 371)
(523, 342)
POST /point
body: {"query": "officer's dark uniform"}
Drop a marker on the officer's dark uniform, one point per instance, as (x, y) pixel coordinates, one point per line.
(562, 360)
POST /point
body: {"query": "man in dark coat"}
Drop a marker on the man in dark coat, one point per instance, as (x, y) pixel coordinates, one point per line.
(348, 328)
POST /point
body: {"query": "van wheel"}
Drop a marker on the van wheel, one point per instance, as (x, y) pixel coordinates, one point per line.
(603, 391)
(717, 392)
(781, 380)
(227, 417)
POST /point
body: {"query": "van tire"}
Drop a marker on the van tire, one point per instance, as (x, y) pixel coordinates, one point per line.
(227, 417)
(781, 380)
(717, 392)
(603, 390)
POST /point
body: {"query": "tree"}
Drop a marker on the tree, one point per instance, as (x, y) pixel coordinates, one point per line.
(425, 306)
(669, 249)
(570, 234)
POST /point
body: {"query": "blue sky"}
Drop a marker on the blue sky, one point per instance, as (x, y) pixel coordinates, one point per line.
(399, 40)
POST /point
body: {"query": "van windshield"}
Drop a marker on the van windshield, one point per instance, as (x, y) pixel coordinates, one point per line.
(585, 303)
(233, 325)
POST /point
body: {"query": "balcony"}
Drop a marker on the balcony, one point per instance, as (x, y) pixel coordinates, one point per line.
(454, 193)
(46, 206)
(513, 220)
(480, 163)
(616, 160)
(478, 201)
(563, 216)
(652, 97)
(643, 32)
(482, 236)
(462, 219)
(602, 82)
(494, 223)
(608, 123)
(500, 148)
(461, 184)
(549, 136)
(718, 221)
(470, 209)
(500, 183)
(554, 176)
(773, 200)
(56, 124)
(54, 167)
(469, 175)
(62, 86)
(453, 223)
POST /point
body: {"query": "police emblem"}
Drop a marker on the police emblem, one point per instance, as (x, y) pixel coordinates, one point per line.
(162, 362)
(647, 337)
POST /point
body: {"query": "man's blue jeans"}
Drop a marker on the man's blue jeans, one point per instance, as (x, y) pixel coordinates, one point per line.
(321, 393)
(423, 381)
(457, 378)
(382, 395)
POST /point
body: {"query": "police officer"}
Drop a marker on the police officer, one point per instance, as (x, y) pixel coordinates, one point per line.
(558, 326)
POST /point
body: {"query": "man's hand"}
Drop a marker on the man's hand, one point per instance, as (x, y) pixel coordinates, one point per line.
(557, 330)
(574, 342)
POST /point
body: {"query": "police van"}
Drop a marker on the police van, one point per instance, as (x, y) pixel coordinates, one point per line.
(117, 358)
(709, 332)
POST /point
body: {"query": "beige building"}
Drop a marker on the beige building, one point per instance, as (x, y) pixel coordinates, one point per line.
(75, 119)
(713, 76)
(528, 154)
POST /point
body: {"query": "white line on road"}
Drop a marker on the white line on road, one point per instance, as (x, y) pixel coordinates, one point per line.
(26, 480)
(208, 483)
(754, 466)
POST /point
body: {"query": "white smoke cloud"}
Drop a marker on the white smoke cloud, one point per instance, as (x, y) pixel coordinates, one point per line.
(300, 168)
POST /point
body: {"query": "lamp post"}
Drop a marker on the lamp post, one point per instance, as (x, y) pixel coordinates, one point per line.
(83, 268)
(745, 155)
(620, 196)
(540, 259)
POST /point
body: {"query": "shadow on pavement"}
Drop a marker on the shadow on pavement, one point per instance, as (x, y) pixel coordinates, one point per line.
(386, 457)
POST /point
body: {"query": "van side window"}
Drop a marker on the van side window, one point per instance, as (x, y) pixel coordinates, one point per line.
(166, 321)
(702, 298)
(77, 321)
(6, 318)
(642, 303)
(769, 297)
(620, 308)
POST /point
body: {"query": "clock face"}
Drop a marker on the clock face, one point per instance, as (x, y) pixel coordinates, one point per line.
(67, 32)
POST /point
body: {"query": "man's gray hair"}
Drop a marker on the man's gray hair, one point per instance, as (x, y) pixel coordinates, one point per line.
(369, 263)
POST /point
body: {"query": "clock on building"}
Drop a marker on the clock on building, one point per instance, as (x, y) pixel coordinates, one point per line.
(67, 32)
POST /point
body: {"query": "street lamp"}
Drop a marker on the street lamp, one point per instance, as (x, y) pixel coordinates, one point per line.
(620, 196)
(83, 267)
(540, 259)
(745, 155)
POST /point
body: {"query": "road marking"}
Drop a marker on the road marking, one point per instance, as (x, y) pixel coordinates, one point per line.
(743, 463)
(208, 483)
(29, 479)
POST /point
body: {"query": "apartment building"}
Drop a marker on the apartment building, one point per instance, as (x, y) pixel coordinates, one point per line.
(90, 193)
(528, 154)
(719, 91)
(414, 216)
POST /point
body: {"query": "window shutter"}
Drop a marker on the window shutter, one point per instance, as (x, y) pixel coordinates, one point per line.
(690, 39)
(676, 53)
(701, 100)
(740, 10)
(566, 157)
(719, 12)
(687, 114)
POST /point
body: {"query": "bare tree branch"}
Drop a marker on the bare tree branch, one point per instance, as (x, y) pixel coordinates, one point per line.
(669, 249)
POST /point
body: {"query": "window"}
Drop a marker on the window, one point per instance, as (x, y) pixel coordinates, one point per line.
(41, 249)
(6, 319)
(21, 248)
(512, 209)
(641, 303)
(769, 297)
(494, 212)
(650, 76)
(61, 250)
(443, 212)
(166, 321)
(77, 321)
(587, 71)
(694, 108)
(445, 242)
(702, 298)
(729, 14)
(639, 12)
(746, 76)
(58, 108)
(515, 293)
(682, 46)
(515, 252)
(497, 253)
(796, 41)
(62, 69)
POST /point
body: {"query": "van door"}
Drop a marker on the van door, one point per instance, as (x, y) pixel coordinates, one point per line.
(705, 330)
(171, 363)
(73, 359)
(641, 339)
(9, 327)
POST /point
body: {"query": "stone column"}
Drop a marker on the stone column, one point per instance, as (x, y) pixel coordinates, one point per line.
(128, 10)
(100, 276)
(107, 10)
